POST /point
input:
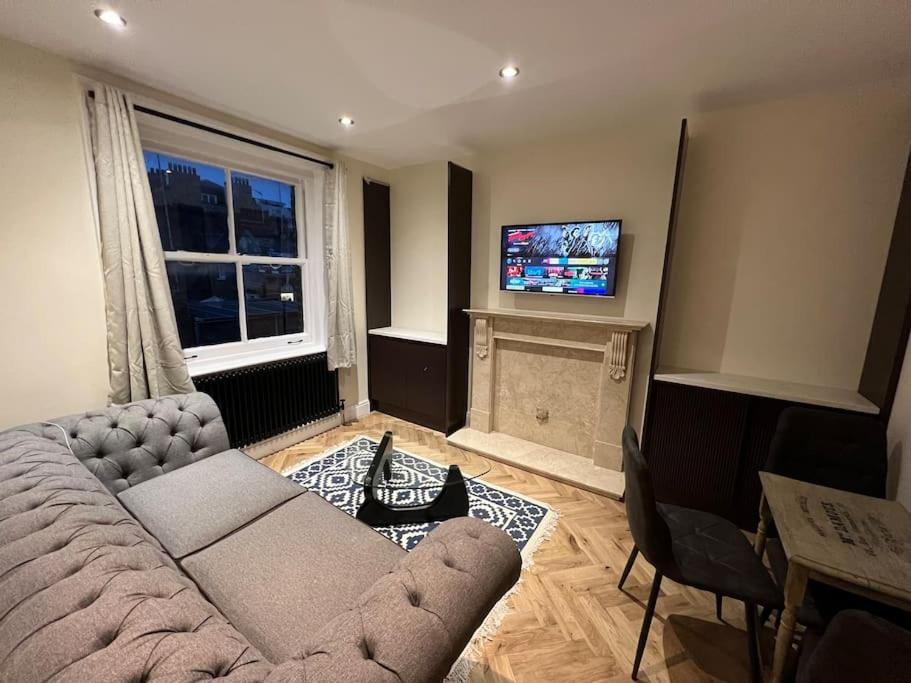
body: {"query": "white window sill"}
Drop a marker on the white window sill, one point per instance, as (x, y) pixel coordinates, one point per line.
(206, 366)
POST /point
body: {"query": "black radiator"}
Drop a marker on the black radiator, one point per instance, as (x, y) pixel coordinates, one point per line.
(261, 401)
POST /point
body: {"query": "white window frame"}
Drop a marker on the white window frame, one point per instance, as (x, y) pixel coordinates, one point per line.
(174, 139)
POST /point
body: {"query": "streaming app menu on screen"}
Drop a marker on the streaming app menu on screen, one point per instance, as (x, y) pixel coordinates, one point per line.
(568, 258)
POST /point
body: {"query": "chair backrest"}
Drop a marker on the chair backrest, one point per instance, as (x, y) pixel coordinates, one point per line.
(649, 530)
(837, 450)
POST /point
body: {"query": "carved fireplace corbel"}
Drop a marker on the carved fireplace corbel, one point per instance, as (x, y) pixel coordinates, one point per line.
(618, 351)
(480, 338)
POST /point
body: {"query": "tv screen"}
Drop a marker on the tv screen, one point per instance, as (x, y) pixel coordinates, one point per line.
(560, 258)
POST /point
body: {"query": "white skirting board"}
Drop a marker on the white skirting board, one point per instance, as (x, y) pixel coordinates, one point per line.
(357, 411)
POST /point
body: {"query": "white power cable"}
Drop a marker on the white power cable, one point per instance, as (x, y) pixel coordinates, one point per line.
(66, 437)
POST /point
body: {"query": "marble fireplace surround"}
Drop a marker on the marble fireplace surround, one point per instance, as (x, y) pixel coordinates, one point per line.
(550, 391)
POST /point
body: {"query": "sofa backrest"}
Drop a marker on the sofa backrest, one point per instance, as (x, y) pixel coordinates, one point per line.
(125, 445)
(86, 594)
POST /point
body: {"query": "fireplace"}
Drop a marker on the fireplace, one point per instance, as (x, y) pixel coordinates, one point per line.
(554, 386)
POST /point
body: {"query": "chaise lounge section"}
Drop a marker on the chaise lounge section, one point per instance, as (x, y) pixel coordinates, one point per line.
(277, 585)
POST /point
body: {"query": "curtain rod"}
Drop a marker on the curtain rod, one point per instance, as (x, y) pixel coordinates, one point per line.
(223, 133)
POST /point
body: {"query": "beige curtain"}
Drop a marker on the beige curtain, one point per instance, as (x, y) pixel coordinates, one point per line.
(145, 358)
(340, 339)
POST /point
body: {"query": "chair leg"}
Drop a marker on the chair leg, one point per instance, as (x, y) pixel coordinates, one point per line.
(718, 599)
(753, 643)
(646, 623)
(629, 566)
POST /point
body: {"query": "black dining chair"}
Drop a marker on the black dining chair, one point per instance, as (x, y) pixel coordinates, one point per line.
(828, 448)
(693, 548)
(838, 450)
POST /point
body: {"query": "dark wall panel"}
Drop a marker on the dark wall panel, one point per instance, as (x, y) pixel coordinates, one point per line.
(377, 255)
(682, 147)
(458, 295)
(892, 322)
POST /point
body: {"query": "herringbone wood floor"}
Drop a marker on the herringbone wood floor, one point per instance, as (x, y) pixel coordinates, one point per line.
(568, 621)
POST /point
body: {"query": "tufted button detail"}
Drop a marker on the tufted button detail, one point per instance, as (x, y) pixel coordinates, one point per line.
(446, 562)
(414, 599)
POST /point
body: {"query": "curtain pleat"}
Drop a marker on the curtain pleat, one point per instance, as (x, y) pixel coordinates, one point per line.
(340, 340)
(145, 358)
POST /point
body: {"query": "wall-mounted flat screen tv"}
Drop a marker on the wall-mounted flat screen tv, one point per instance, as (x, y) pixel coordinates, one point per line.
(560, 258)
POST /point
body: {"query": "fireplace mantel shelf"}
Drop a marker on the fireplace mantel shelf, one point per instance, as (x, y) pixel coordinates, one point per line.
(603, 321)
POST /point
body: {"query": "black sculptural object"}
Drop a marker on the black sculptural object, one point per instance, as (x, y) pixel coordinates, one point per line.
(452, 501)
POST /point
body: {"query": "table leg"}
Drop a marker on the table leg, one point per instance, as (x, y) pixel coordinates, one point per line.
(762, 531)
(794, 589)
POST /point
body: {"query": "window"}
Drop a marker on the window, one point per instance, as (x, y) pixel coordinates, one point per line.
(235, 247)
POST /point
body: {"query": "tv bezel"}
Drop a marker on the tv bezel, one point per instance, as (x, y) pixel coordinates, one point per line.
(596, 297)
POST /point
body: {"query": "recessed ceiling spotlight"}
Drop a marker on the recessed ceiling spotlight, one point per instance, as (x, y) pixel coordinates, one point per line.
(509, 72)
(346, 121)
(110, 17)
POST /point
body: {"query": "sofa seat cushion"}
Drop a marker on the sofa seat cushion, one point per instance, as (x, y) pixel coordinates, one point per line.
(286, 575)
(196, 505)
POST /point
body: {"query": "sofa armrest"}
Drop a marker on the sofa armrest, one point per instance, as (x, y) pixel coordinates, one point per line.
(128, 444)
(413, 623)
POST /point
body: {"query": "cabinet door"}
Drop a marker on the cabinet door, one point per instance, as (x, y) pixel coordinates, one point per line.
(387, 376)
(693, 445)
(426, 379)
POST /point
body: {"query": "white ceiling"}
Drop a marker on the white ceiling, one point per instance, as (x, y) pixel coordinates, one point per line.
(420, 76)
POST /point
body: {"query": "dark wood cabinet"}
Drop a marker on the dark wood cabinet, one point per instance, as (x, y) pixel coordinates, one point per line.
(705, 448)
(408, 380)
(418, 381)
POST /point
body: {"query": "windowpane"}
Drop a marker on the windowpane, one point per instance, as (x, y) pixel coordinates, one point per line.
(274, 300)
(205, 301)
(264, 219)
(190, 204)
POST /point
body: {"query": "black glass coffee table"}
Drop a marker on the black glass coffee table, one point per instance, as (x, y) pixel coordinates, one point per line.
(381, 480)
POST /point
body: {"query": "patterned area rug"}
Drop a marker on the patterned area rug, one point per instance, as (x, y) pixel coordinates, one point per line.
(335, 475)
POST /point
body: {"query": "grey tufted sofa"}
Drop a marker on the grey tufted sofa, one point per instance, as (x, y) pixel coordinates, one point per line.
(88, 594)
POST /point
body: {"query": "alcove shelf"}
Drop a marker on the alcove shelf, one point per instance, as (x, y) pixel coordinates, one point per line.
(426, 336)
(419, 375)
(808, 394)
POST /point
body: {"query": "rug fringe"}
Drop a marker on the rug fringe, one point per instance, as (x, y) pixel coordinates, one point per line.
(474, 651)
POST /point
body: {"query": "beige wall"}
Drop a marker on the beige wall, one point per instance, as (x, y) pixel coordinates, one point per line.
(53, 305)
(625, 174)
(418, 206)
(53, 342)
(785, 223)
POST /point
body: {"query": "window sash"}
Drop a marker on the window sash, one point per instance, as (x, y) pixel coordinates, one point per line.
(213, 357)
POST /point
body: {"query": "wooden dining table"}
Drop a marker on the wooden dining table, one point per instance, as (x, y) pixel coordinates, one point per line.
(853, 542)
